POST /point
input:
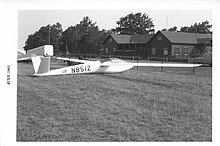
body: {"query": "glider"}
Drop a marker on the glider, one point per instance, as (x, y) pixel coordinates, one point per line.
(112, 65)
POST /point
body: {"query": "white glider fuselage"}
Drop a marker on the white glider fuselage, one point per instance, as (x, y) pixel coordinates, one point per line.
(114, 66)
(91, 67)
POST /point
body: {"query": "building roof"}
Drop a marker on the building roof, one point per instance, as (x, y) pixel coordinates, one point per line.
(127, 39)
(186, 38)
(204, 40)
(121, 39)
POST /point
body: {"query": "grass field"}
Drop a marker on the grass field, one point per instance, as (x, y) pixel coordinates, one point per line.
(141, 104)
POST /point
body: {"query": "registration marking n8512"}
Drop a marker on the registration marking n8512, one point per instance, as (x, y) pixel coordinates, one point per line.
(80, 69)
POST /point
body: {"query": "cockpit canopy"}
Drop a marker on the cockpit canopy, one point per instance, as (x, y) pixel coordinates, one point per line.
(113, 60)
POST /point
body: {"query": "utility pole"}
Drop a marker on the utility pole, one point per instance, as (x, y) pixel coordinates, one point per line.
(48, 34)
(167, 22)
(67, 51)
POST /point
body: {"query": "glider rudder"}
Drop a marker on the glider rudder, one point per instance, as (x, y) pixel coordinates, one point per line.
(41, 64)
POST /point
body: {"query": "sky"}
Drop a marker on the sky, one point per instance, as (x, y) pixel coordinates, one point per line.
(29, 21)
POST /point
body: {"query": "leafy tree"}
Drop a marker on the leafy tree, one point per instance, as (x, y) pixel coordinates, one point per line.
(82, 38)
(203, 27)
(44, 36)
(69, 40)
(37, 39)
(55, 36)
(133, 24)
(110, 31)
(173, 29)
(170, 29)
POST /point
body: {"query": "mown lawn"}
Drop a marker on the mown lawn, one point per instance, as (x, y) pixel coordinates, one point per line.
(141, 104)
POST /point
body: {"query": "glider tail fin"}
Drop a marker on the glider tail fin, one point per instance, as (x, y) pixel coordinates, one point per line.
(41, 64)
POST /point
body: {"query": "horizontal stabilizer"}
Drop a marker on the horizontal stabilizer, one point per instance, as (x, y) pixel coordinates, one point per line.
(23, 59)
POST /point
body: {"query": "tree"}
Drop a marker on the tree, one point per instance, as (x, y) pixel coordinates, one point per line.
(55, 36)
(133, 24)
(37, 39)
(68, 41)
(44, 36)
(82, 38)
(170, 29)
(203, 27)
(173, 29)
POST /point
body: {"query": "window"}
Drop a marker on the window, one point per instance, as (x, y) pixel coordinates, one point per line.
(159, 38)
(177, 51)
(114, 49)
(165, 51)
(106, 50)
(185, 51)
(110, 40)
(153, 51)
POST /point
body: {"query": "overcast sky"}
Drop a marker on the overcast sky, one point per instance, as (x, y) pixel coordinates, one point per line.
(30, 21)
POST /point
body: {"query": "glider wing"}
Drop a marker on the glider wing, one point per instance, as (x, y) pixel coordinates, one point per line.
(153, 64)
(75, 60)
